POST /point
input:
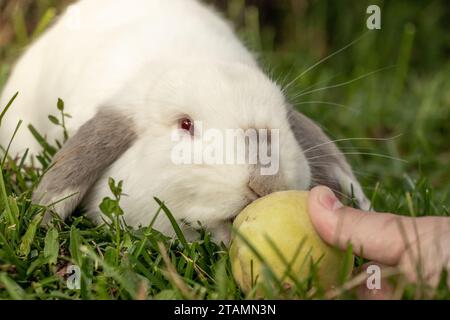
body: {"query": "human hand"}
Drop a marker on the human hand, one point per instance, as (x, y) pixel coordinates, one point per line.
(418, 247)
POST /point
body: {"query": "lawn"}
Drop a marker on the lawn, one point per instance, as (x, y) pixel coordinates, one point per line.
(385, 97)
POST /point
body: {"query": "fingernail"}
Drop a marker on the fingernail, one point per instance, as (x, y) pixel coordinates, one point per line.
(328, 200)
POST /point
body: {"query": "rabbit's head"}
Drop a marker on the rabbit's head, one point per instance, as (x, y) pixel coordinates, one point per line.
(207, 139)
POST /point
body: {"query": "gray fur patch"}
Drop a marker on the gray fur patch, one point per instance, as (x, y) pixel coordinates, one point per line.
(82, 160)
(322, 154)
(263, 185)
(260, 184)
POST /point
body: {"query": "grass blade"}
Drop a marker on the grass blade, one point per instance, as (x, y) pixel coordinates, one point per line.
(174, 223)
(7, 107)
(28, 238)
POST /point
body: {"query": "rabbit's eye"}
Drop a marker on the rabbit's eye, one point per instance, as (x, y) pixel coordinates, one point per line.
(186, 124)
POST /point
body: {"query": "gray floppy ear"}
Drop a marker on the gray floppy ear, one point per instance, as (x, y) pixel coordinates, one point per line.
(328, 166)
(82, 160)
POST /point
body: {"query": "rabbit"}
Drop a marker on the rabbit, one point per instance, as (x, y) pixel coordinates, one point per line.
(131, 74)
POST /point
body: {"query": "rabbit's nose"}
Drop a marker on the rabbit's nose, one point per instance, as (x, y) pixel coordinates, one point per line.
(251, 194)
(262, 185)
(262, 181)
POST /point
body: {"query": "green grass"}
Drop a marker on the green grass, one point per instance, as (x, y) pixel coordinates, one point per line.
(406, 104)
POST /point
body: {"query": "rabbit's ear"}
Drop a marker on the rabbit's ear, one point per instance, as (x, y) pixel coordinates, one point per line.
(328, 166)
(82, 160)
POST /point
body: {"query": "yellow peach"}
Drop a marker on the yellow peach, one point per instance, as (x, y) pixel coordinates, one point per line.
(281, 219)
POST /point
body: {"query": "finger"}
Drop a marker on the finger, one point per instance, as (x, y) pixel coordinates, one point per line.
(376, 236)
(424, 261)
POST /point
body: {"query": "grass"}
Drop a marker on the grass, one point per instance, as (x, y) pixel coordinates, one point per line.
(404, 105)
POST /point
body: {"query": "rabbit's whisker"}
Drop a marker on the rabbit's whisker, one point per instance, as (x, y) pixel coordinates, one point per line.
(327, 103)
(359, 153)
(350, 139)
(323, 60)
(303, 93)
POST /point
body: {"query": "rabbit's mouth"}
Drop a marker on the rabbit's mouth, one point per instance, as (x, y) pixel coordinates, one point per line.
(230, 221)
(239, 210)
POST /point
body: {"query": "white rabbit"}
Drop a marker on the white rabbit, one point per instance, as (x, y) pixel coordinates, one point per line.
(131, 72)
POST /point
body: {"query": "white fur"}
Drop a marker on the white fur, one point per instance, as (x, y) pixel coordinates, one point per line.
(155, 60)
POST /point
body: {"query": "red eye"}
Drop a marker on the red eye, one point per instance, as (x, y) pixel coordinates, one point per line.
(186, 124)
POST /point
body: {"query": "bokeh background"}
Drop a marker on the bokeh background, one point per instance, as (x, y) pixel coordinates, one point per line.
(385, 98)
(392, 84)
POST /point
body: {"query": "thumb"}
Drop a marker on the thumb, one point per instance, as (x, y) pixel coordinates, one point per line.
(375, 236)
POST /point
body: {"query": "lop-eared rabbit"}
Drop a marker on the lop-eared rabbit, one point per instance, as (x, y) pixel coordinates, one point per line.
(133, 72)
